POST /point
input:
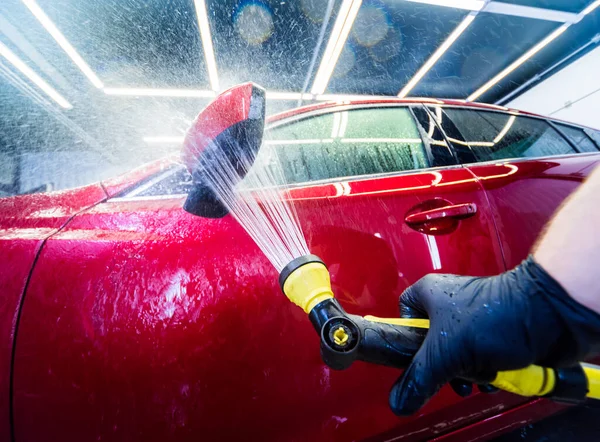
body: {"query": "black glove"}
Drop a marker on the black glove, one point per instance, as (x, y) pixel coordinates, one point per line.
(480, 326)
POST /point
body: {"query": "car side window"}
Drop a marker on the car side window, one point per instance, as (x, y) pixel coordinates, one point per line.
(333, 145)
(578, 137)
(495, 135)
(347, 143)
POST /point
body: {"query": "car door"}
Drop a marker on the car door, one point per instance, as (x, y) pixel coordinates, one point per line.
(143, 322)
(527, 166)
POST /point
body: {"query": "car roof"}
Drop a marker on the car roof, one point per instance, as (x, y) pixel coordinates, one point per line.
(370, 101)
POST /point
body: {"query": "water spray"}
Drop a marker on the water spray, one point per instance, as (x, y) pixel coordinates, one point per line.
(220, 149)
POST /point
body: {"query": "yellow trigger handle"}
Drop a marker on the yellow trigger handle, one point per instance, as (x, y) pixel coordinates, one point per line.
(403, 322)
(530, 381)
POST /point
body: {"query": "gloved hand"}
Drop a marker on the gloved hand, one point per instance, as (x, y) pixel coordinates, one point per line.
(479, 326)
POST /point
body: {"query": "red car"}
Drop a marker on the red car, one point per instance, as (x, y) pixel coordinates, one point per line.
(126, 318)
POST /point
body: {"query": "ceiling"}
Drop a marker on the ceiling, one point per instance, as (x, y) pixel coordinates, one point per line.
(393, 47)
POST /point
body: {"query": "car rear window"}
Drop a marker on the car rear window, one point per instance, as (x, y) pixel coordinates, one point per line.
(578, 138)
(495, 135)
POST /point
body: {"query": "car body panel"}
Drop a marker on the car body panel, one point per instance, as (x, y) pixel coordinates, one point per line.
(25, 222)
(172, 326)
(523, 201)
(142, 322)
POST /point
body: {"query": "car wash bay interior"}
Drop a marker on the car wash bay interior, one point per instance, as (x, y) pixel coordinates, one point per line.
(93, 89)
(95, 84)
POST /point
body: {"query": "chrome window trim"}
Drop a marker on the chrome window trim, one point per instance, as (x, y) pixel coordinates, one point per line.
(521, 160)
(356, 178)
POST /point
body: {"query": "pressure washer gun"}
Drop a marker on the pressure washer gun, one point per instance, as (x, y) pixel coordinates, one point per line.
(393, 342)
(232, 124)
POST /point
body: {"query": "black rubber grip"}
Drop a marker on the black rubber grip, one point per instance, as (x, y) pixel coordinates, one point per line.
(387, 344)
(571, 385)
(368, 341)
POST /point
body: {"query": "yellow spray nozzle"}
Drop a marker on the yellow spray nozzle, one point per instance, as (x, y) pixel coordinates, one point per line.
(305, 281)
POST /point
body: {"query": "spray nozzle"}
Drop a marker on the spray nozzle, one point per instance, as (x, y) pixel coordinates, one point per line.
(225, 136)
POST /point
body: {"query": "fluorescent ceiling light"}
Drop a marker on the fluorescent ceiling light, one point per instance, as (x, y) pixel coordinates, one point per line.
(340, 123)
(530, 12)
(288, 96)
(343, 124)
(530, 53)
(63, 42)
(470, 5)
(499, 7)
(505, 130)
(35, 78)
(349, 97)
(343, 140)
(335, 127)
(471, 143)
(437, 55)
(152, 92)
(170, 139)
(305, 141)
(207, 45)
(194, 93)
(382, 140)
(590, 8)
(337, 40)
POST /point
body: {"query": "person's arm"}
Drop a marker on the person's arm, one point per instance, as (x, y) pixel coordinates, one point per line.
(569, 249)
(544, 311)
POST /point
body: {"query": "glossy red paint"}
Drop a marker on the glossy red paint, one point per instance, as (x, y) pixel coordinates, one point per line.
(25, 222)
(231, 107)
(172, 326)
(523, 198)
(142, 322)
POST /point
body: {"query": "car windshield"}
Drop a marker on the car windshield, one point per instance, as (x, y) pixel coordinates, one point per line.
(90, 89)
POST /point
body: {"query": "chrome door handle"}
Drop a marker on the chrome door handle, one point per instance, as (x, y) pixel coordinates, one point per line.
(455, 211)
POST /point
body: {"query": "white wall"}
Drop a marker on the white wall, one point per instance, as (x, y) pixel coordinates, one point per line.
(572, 94)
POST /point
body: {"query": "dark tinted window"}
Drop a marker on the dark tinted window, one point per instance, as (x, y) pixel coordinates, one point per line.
(433, 136)
(594, 135)
(578, 138)
(347, 143)
(495, 135)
